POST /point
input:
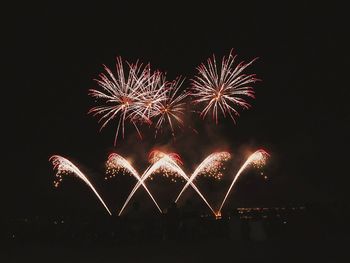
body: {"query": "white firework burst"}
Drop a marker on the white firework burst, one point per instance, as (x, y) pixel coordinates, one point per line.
(171, 110)
(222, 88)
(123, 94)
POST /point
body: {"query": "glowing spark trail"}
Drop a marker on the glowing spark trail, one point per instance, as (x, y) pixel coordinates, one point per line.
(210, 167)
(166, 163)
(156, 155)
(65, 167)
(221, 88)
(257, 159)
(115, 163)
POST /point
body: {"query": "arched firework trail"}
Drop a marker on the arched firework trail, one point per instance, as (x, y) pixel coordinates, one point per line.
(258, 159)
(222, 88)
(167, 163)
(65, 167)
(117, 162)
(210, 165)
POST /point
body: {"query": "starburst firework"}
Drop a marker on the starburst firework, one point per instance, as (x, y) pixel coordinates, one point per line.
(127, 95)
(223, 88)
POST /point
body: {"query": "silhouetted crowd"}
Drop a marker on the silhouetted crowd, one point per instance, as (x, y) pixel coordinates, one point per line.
(174, 224)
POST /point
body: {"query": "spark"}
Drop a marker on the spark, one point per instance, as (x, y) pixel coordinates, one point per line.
(65, 167)
(156, 155)
(222, 88)
(257, 159)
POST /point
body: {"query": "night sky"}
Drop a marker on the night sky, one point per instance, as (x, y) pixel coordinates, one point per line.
(300, 114)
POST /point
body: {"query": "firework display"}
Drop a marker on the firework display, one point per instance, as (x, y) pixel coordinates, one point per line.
(135, 95)
(165, 165)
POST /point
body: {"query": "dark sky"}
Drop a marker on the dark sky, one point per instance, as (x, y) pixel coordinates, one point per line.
(300, 114)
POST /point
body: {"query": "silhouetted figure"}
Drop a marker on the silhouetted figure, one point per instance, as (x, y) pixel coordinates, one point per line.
(134, 219)
(235, 226)
(245, 230)
(257, 232)
(188, 220)
(171, 222)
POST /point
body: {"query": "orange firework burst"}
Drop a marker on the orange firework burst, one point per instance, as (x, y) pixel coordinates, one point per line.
(156, 155)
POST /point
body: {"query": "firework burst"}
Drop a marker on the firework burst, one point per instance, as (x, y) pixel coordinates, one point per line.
(171, 110)
(223, 88)
(126, 94)
(155, 155)
(153, 93)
